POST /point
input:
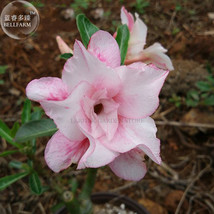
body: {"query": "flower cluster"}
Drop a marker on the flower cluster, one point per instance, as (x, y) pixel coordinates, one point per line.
(102, 109)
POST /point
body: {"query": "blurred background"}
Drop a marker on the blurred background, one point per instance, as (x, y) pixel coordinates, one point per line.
(185, 118)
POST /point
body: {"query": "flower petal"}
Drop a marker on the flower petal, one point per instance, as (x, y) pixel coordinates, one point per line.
(47, 88)
(89, 124)
(141, 85)
(108, 119)
(63, 47)
(64, 112)
(129, 166)
(103, 46)
(97, 154)
(83, 66)
(97, 157)
(137, 37)
(156, 54)
(135, 133)
(60, 152)
(127, 18)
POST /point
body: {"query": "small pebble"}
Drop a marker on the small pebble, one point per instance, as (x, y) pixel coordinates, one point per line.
(67, 14)
(97, 13)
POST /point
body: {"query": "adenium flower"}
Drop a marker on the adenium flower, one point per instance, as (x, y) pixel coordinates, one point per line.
(138, 30)
(101, 109)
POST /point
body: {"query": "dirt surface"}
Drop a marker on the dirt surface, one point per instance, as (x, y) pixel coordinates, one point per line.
(184, 183)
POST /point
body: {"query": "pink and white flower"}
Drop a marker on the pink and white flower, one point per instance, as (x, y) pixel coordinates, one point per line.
(102, 110)
(138, 31)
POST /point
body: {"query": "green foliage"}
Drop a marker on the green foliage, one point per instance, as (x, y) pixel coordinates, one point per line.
(175, 31)
(36, 114)
(79, 5)
(192, 98)
(34, 129)
(140, 6)
(35, 183)
(8, 180)
(114, 25)
(204, 95)
(14, 129)
(26, 112)
(66, 56)
(5, 133)
(122, 39)
(16, 164)
(3, 69)
(86, 28)
(8, 152)
(177, 100)
(37, 4)
(178, 7)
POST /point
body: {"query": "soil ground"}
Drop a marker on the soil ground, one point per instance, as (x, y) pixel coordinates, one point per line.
(184, 183)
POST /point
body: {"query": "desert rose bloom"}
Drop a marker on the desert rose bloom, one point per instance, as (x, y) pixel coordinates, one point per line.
(101, 109)
(138, 30)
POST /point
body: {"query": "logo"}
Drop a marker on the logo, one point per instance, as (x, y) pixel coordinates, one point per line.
(19, 19)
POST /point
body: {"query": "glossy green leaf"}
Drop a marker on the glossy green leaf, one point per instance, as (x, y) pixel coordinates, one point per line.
(26, 111)
(203, 86)
(193, 94)
(8, 152)
(35, 184)
(209, 101)
(86, 28)
(8, 180)
(122, 39)
(14, 129)
(66, 56)
(3, 69)
(36, 115)
(16, 164)
(35, 128)
(6, 134)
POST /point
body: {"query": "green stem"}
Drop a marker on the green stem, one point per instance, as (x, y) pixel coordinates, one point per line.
(73, 206)
(88, 185)
(85, 195)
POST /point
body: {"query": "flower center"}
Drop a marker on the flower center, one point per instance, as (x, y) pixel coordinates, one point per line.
(98, 108)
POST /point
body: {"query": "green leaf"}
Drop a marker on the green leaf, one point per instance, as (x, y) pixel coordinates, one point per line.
(26, 111)
(9, 152)
(209, 101)
(35, 128)
(122, 39)
(6, 134)
(86, 28)
(210, 78)
(37, 114)
(191, 102)
(1, 82)
(14, 129)
(193, 94)
(203, 86)
(8, 180)
(35, 184)
(16, 164)
(66, 56)
(3, 69)
(209, 69)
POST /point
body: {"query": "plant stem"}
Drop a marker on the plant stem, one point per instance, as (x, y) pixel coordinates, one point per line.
(88, 185)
